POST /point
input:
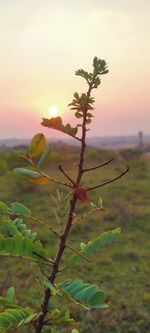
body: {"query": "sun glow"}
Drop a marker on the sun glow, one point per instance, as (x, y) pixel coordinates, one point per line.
(53, 111)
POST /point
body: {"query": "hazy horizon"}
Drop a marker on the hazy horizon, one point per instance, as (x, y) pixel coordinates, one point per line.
(43, 43)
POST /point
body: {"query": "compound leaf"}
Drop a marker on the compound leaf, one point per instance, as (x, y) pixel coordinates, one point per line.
(19, 209)
(89, 296)
(95, 244)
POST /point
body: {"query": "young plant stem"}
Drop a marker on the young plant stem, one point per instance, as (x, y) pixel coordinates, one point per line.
(66, 175)
(82, 217)
(98, 166)
(62, 245)
(109, 181)
(79, 254)
(51, 179)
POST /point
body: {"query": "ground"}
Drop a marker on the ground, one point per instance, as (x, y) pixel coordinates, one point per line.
(122, 268)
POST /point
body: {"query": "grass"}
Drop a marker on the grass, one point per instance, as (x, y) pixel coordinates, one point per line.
(122, 269)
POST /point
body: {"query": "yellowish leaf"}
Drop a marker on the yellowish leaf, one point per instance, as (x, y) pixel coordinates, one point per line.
(37, 145)
(40, 180)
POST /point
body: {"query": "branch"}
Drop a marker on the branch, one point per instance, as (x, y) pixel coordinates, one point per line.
(86, 215)
(98, 166)
(69, 247)
(39, 221)
(49, 261)
(109, 181)
(65, 174)
(44, 224)
(51, 179)
(76, 137)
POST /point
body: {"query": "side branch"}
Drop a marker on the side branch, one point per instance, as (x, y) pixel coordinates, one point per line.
(109, 181)
(76, 137)
(82, 217)
(79, 254)
(44, 224)
(98, 166)
(51, 179)
(65, 174)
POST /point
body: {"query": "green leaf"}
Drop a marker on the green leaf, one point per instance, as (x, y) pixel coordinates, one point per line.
(3, 208)
(10, 294)
(95, 244)
(62, 203)
(13, 318)
(25, 158)
(44, 157)
(6, 303)
(27, 173)
(82, 245)
(89, 296)
(75, 331)
(46, 282)
(37, 145)
(19, 209)
(9, 225)
(19, 246)
(22, 228)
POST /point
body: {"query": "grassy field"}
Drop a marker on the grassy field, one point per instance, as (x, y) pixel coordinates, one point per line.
(122, 269)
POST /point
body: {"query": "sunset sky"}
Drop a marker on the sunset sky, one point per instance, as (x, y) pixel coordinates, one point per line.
(43, 42)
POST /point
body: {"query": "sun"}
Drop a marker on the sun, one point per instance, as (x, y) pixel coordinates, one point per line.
(53, 110)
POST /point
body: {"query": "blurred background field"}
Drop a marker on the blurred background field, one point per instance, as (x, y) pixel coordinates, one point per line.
(122, 269)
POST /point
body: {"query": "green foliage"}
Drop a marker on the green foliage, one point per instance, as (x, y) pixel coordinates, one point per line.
(34, 177)
(10, 226)
(81, 104)
(85, 294)
(44, 157)
(46, 282)
(19, 209)
(118, 269)
(14, 316)
(7, 303)
(10, 294)
(3, 208)
(27, 173)
(99, 68)
(62, 205)
(17, 226)
(97, 243)
(19, 246)
(22, 228)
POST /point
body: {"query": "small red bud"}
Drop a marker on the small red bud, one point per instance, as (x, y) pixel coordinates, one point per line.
(81, 194)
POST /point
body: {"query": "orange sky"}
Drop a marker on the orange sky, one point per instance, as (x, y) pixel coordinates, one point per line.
(43, 42)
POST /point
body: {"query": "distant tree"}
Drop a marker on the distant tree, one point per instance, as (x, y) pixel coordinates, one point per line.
(52, 315)
(140, 137)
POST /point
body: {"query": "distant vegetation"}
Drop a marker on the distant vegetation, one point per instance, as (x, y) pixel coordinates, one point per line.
(123, 269)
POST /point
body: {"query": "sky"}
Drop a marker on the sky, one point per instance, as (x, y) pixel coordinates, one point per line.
(43, 42)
